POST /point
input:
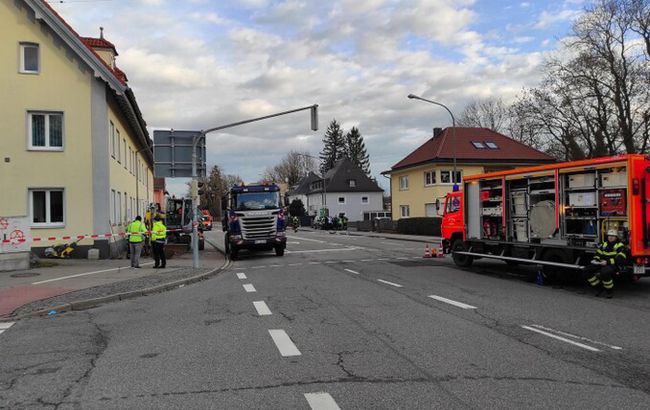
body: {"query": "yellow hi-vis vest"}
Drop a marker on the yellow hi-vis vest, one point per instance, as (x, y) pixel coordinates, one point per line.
(136, 230)
(159, 231)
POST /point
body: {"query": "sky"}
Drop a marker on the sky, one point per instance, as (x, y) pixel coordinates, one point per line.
(197, 64)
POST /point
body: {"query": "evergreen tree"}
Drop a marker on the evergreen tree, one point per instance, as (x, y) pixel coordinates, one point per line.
(333, 147)
(355, 150)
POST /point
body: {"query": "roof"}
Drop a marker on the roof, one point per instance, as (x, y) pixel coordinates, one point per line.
(99, 43)
(338, 178)
(441, 149)
(114, 78)
(303, 187)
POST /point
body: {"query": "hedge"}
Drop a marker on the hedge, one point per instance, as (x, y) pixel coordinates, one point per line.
(419, 226)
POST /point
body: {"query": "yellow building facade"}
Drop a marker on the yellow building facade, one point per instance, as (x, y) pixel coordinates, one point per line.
(62, 110)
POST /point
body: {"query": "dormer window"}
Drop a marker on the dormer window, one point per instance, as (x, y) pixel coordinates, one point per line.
(29, 58)
(491, 145)
(352, 183)
(478, 145)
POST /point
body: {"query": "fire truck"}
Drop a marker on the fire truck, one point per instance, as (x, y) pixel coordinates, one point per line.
(552, 215)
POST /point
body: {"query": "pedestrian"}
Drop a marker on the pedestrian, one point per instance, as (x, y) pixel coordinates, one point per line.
(610, 258)
(158, 235)
(136, 231)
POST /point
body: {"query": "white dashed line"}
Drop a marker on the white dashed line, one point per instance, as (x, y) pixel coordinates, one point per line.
(249, 288)
(258, 267)
(326, 250)
(559, 332)
(261, 308)
(452, 302)
(314, 263)
(402, 259)
(274, 266)
(321, 401)
(382, 259)
(346, 261)
(397, 285)
(563, 339)
(330, 261)
(283, 343)
(294, 264)
(306, 239)
(5, 326)
(352, 271)
(366, 260)
(241, 275)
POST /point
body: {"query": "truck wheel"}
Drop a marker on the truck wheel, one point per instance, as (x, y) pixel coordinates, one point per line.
(279, 251)
(463, 261)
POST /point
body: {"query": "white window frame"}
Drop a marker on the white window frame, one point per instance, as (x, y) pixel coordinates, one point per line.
(125, 157)
(406, 208)
(366, 202)
(338, 200)
(111, 131)
(404, 186)
(451, 176)
(48, 217)
(126, 207)
(119, 146)
(113, 211)
(21, 64)
(118, 219)
(47, 146)
(431, 173)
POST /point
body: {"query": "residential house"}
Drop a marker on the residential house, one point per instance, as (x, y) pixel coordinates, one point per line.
(76, 155)
(427, 173)
(346, 189)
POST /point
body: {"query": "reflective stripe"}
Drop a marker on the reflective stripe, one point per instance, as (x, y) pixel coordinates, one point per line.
(608, 284)
(594, 280)
(612, 261)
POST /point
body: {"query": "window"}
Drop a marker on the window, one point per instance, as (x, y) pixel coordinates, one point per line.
(430, 210)
(119, 146)
(113, 214)
(352, 183)
(404, 210)
(46, 207)
(45, 131)
(445, 177)
(453, 205)
(29, 58)
(491, 145)
(404, 183)
(118, 217)
(126, 207)
(341, 200)
(478, 144)
(125, 159)
(364, 199)
(111, 135)
(429, 178)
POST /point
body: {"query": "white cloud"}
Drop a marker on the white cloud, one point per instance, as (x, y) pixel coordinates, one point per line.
(547, 18)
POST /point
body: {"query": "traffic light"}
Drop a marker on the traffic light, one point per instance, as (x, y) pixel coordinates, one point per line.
(314, 117)
(200, 186)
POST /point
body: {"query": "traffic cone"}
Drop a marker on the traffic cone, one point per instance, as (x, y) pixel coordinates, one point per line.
(427, 251)
(440, 254)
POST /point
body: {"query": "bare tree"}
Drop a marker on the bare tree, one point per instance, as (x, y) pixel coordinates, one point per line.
(489, 113)
(292, 168)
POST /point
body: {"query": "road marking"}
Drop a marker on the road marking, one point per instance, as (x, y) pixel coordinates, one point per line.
(321, 401)
(330, 261)
(85, 274)
(397, 285)
(306, 239)
(283, 343)
(559, 332)
(293, 243)
(274, 266)
(248, 287)
(347, 261)
(563, 339)
(366, 260)
(294, 264)
(382, 259)
(315, 263)
(258, 267)
(452, 302)
(326, 250)
(5, 326)
(352, 271)
(261, 308)
(241, 275)
(402, 259)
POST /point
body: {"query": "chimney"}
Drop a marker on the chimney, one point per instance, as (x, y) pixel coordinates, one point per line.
(437, 132)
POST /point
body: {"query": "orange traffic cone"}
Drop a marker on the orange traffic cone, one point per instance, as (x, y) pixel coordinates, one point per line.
(427, 251)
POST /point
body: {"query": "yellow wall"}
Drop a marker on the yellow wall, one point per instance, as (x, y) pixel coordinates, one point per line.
(60, 86)
(418, 194)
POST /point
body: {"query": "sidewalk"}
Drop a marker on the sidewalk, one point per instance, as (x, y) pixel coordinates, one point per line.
(72, 281)
(394, 236)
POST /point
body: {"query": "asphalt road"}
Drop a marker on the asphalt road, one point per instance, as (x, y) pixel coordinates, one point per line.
(353, 322)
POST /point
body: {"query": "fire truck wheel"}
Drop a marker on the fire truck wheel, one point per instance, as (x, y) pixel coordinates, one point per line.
(461, 260)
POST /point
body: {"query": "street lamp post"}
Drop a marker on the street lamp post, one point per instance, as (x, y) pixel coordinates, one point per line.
(453, 130)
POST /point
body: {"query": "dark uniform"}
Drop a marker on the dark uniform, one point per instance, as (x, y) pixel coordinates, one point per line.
(610, 258)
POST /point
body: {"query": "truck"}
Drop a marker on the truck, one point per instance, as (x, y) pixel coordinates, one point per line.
(552, 215)
(178, 220)
(254, 219)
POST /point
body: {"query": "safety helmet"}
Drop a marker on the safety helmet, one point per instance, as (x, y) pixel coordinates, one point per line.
(612, 232)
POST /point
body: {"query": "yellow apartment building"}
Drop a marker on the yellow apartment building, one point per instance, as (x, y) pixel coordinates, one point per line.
(76, 157)
(427, 173)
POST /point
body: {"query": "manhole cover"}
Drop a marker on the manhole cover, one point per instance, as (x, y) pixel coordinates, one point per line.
(24, 275)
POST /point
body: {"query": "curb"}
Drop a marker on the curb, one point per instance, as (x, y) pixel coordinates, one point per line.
(94, 302)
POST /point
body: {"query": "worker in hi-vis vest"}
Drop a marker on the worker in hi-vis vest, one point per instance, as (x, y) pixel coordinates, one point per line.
(158, 235)
(136, 231)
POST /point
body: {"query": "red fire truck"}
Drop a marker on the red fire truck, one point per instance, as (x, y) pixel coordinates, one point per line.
(552, 215)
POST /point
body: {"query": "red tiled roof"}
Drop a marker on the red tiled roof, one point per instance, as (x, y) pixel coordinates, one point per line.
(54, 12)
(98, 43)
(441, 148)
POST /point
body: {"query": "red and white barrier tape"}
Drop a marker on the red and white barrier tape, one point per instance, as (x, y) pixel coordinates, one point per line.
(70, 237)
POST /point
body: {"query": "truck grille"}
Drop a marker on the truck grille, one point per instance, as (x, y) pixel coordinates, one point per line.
(258, 227)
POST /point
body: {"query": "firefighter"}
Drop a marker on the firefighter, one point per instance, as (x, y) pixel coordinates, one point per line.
(610, 258)
(158, 235)
(136, 231)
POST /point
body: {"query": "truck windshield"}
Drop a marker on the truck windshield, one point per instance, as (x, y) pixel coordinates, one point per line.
(257, 200)
(453, 204)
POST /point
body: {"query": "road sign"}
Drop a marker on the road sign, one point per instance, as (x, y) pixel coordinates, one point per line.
(172, 153)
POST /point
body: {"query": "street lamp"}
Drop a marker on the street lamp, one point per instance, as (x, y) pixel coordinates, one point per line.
(453, 130)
